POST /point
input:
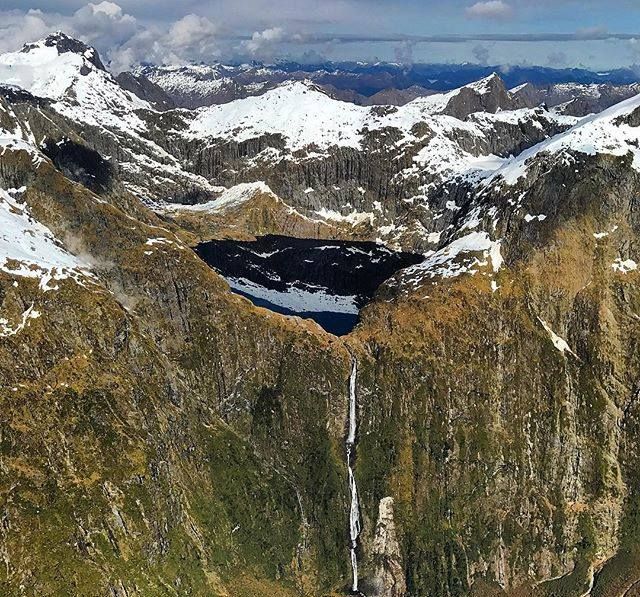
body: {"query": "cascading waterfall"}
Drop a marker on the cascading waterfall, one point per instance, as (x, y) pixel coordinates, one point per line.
(354, 509)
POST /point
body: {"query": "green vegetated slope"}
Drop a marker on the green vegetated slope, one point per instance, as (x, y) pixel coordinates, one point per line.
(161, 436)
(511, 460)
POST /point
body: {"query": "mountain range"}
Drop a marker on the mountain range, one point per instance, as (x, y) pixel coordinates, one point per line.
(475, 432)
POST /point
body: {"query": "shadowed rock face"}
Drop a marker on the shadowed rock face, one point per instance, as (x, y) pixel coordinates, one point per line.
(80, 164)
(491, 98)
(16, 94)
(146, 90)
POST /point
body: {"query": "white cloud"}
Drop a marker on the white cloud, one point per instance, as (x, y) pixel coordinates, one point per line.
(17, 28)
(121, 40)
(191, 31)
(262, 42)
(557, 59)
(404, 52)
(104, 24)
(490, 9)
(111, 9)
(127, 32)
(192, 38)
(634, 47)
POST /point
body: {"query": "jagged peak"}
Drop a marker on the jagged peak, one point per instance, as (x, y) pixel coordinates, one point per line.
(66, 44)
(485, 95)
(60, 67)
(487, 84)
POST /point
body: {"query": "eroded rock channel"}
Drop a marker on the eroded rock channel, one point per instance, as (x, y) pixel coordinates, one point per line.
(327, 281)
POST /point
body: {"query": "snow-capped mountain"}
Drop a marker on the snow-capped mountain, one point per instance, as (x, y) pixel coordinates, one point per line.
(386, 166)
(340, 164)
(77, 99)
(197, 86)
(511, 198)
(574, 99)
(475, 433)
(304, 115)
(365, 84)
(71, 74)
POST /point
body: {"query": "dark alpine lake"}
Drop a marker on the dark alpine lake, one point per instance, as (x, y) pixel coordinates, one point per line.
(327, 281)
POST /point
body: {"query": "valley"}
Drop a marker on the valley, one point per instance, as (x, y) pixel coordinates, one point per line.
(290, 345)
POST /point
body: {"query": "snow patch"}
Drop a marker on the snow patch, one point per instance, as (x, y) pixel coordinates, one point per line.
(624, 267)
(7, 330)
(444, 262)
(298, 300)
(29, 249)
(229, 199)
(558, 342)
(354, 218)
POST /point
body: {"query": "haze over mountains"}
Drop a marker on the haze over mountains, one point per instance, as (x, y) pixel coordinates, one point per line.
(475, 433)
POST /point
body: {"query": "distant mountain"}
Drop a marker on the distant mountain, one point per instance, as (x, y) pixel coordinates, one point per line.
(575, 99)
(363, 84)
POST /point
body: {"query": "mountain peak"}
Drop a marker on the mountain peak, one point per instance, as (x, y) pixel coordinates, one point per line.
(487, 85)
(486, 95)
(65, 43)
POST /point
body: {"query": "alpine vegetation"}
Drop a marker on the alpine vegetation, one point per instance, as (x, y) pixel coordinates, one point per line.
(277, 320)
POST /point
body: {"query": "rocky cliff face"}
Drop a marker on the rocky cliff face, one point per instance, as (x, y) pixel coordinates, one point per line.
(125, 426)
(389, 578)
(160, 435)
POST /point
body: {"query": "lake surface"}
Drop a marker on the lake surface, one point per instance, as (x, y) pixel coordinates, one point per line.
(327, 281)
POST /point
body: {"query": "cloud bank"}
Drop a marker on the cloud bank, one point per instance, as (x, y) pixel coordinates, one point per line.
(130, 32)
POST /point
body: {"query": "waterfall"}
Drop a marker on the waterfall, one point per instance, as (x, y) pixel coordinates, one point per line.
(354, 509)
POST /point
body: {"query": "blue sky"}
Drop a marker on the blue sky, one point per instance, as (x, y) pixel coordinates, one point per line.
(130, 31)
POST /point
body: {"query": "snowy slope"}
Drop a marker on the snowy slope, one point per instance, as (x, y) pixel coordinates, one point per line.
(70, 74)
(81, 89)
(599, 133)
(300, 112)
(230, 198)
(29, 249)
(307, 118)
(194, 79)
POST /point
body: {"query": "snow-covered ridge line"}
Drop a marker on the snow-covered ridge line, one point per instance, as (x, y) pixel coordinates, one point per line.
(598, 133)
(47, 71)
(306, 116)
(70, 76)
